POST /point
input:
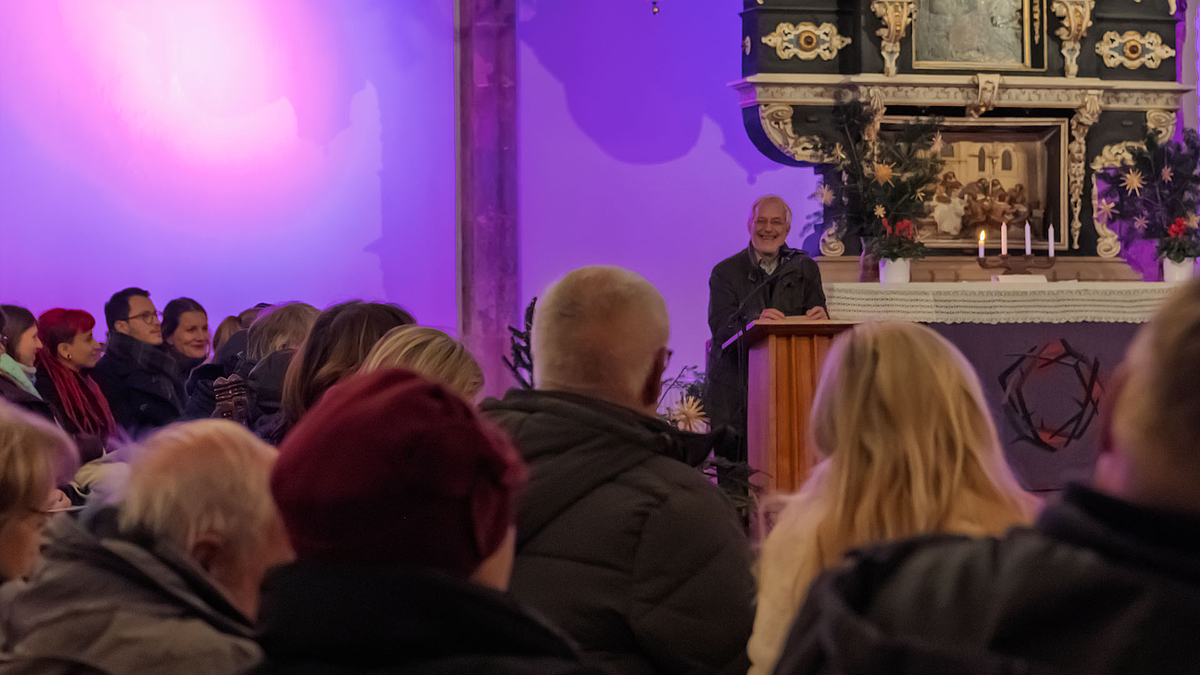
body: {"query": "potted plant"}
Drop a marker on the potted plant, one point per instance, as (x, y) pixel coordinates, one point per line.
(876, 181)
(1154, 194)
(896, 246)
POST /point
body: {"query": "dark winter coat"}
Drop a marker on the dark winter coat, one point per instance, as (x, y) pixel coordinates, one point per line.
(13, 393)
(738, 292)
(622, 542)
(331, 620)
(141, 382)
(1097, 586)
(229, 359)
(90, 446)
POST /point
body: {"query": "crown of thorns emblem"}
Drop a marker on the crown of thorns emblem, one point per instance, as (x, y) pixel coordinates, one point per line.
(1038, 400)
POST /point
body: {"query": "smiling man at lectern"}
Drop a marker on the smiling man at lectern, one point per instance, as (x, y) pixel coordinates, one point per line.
(767, 280)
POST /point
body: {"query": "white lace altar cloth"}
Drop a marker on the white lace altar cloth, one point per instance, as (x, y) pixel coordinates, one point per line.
(993, 303)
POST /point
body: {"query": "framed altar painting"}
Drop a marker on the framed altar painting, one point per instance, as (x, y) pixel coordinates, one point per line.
(979, 34)
(998, 172)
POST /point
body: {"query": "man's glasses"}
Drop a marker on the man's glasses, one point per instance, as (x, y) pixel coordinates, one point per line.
(146, 316)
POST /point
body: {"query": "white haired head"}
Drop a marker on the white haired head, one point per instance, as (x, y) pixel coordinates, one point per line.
(602, 332)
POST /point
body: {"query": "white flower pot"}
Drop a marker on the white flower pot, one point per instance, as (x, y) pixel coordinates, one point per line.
(1178, 272)
(894, 271)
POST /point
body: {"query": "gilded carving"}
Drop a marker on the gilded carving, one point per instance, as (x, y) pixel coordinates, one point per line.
(1037, 22)
(776, 120)
(806, 41)
(1133, 49)
(831, 244)
(989, 87)
(1109, 244)
(1087, 115)
(896, 15)
(746, 45)
(1162, 123)
(1077, 17)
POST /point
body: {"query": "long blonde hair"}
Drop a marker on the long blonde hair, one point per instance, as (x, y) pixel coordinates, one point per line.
(909, 447)
(431, 353)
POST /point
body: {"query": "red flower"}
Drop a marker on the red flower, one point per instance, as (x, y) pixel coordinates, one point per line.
(905, 228)
(1178, 228)
(887, 226)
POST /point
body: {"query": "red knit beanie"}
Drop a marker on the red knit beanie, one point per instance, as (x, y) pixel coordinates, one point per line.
(389, 468)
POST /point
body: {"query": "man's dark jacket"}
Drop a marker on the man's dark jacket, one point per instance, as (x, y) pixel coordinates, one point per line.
(622, 542)
(335, 620)
(1097, 586)
(141, 382)
(738, 292)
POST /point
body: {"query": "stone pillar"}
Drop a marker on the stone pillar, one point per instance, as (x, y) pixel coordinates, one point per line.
(488, 283)
(1185, 55)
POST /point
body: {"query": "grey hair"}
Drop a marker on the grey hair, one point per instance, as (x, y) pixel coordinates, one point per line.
(597, 331)
(193, 480)
(771, 199)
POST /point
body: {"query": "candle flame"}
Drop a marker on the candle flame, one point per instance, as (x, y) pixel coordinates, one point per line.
(982, 236)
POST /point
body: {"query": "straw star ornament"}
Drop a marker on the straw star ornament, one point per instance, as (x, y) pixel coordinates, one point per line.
(884, 173)
(880, 212)
(824, 194)
(1133, 182)
(1106, 209)
(1140, 222)
(1167, 174)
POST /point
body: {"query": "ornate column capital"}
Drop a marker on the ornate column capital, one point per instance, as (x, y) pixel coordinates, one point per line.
(989, 87)
(896, 15)
(776, 121)
(1133, 49)
(1076, 16)
(806, 41)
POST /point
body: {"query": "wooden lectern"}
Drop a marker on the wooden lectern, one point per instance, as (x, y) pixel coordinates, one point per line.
(785, 364)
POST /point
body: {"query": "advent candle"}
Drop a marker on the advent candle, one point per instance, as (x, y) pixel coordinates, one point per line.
(1028, 240)
(1050, 234)
(1003, 238)
(982, 237)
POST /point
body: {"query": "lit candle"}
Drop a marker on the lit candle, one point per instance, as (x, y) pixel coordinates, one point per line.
(982, 238)
(1028, 240)
(1050, 234)
(1003, 238)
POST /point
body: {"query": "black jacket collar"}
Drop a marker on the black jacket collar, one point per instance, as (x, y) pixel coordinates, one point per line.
(388, 616)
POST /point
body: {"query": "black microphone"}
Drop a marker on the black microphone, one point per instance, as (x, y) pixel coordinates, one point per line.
(784, 270)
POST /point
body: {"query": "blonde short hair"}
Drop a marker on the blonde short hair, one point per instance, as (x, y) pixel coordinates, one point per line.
(34, 456)
(771, 199)
(598, 330)
(279, 327)
(197, 479)
(431, 353)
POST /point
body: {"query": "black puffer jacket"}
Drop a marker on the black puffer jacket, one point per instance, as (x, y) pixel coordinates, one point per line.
(1097, 586)
(621, 543)
(340, 620)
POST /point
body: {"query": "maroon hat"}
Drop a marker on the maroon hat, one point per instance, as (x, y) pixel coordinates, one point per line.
(389, 468)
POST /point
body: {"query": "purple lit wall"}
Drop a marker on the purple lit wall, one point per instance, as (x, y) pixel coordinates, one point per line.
(235, 151)
(632, 150)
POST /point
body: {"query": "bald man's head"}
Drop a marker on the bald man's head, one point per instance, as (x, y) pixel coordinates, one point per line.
(602, 332)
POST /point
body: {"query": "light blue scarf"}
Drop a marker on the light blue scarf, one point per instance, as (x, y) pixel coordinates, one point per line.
(20, 374)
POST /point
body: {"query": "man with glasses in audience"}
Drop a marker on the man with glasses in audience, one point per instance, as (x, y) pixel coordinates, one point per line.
(141, 382)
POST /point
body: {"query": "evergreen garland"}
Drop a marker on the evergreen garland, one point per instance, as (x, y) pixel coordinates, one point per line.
(875, 180)
(1155, 196)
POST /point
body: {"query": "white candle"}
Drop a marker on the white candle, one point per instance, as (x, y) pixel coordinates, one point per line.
(1003, 238)
(982, 237)
(1028, 240)
(1050, 234)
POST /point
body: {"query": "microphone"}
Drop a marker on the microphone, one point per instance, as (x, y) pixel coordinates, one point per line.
(784, 271)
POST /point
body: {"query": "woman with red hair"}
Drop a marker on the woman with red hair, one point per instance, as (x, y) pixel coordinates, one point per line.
(68, 350)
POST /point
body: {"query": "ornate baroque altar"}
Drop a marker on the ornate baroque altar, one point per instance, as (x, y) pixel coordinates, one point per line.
(1038, 94)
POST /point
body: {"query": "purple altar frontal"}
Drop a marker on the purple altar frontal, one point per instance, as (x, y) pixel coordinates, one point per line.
(1045, 354)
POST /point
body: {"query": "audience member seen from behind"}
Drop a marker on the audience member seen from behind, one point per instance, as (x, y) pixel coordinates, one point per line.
(417, 587)
(168, 580)
(185, 334)
(432, 354)
(230, 357)
(142, 383)
(335, 348)
(34, 454)
(910, 449)
(621, 541)
(1105, 582)
(69, 351)
(19, 344)
(272, 342)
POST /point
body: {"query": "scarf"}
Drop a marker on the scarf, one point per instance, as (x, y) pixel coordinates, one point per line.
(19, 374)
